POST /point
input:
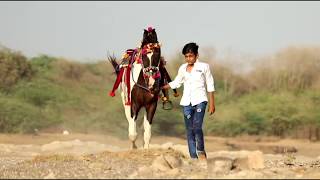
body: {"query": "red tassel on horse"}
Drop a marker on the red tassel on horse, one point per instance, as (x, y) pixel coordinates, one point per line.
(128, 71)
(116, 84)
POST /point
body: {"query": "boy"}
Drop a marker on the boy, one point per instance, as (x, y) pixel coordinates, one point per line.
(194, 75)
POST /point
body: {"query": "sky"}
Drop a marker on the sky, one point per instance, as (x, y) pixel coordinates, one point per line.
(87, 31)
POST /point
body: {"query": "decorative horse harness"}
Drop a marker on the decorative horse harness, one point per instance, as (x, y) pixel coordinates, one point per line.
(128, 59)
(150, 72)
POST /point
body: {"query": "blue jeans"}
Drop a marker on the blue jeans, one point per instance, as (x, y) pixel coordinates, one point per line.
(193, 118)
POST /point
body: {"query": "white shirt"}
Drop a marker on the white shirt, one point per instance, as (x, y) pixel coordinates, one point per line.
(194, 82)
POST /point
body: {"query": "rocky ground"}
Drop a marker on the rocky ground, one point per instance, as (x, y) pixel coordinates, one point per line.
(84, 158)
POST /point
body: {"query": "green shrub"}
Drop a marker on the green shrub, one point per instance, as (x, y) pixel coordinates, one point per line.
(13, 67)
(255, 123)
(20, 117)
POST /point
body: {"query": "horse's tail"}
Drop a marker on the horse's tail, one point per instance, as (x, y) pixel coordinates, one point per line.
(113, 61)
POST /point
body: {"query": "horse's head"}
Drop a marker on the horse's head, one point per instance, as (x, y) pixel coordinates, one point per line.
(149, 36)
(151, 54)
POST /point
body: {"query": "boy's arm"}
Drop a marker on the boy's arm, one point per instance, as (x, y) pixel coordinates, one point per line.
(177, 82)
(165, 86)
(210, 89)
(212, 107)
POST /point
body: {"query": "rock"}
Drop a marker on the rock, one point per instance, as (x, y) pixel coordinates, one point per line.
(219, 166)
(183, 149)
(167, 145)
(65, 132)
(253, 160)
(161, 164)
(174, 162)
(243, 159)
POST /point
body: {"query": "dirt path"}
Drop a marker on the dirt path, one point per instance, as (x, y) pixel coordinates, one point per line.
(103, 156)
(265, 144)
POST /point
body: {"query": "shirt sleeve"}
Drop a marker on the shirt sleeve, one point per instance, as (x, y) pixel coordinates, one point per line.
(179, 79)
(209, 79)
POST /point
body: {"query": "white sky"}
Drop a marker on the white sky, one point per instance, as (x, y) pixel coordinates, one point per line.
(87, 30)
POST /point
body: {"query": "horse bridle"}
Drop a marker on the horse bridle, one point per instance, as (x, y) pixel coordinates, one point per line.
(145, 71)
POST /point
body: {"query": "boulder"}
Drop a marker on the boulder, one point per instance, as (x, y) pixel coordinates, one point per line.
(174, 162)
(160, 164)
(219, 165)
(253, 160)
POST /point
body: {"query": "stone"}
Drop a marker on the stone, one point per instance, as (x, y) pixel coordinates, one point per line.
(253, 160)
(243, 159)
(183, 149)
(167, 145)
(173, 161)
(160, 164)
(219, 165)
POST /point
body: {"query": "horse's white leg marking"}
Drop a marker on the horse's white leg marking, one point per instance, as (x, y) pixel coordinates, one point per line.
(132, 123)
(147, 131)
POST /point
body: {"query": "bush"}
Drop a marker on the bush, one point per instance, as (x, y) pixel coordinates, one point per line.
(70, 70)
(20, 117)
(13, 67)
(42, 64)
(255, 123)
(229, 128)
(293, 68)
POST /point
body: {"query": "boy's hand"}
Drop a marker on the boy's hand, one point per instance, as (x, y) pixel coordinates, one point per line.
(165, 86)
(211, 109)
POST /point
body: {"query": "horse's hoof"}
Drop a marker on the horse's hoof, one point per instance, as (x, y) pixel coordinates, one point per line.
(134, 146)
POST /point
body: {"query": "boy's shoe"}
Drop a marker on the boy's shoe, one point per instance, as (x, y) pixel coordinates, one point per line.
(202, 156)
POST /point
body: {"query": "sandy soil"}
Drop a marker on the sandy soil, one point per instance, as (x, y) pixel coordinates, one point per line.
(49, 155)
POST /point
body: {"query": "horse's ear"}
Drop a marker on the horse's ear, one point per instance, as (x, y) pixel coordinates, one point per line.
(145, 31)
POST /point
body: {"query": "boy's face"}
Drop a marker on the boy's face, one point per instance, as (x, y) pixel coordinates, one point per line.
(190, 58)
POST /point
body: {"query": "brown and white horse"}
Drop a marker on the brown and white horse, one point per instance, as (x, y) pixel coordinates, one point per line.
(144, 88)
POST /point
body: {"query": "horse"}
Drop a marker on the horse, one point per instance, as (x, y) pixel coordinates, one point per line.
(145, 82)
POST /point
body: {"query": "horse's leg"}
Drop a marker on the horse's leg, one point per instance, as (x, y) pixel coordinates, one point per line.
(147, 131)
(148, 116)
(132, 129)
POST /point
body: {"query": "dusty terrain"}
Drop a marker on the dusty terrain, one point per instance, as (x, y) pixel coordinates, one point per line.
(100, 156)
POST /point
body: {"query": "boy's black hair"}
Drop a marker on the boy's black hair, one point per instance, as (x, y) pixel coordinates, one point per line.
(190, 48)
